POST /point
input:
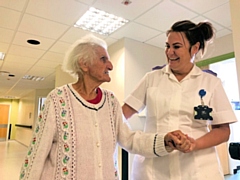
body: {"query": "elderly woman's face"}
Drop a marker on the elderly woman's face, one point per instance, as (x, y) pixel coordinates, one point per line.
(99, 70)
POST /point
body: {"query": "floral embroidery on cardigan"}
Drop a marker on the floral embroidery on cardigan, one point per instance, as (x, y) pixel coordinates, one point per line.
(112, 105)
(66, 132)
(34, 143)
(66, 166)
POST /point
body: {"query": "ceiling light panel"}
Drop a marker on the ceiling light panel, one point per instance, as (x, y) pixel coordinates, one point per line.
(2, 55)
(100, 22)
(33, 78)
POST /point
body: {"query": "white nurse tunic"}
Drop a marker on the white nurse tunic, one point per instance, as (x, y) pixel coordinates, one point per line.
(170, 106)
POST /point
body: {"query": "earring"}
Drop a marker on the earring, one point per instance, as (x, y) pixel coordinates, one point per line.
(193, 58)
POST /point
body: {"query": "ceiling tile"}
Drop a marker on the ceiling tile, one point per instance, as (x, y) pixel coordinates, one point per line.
(13, 4)
(161, 20)
(9, 18)
(223, 32)
(28, 84)
(73, 34)
(4, 47)
(19, 72)
(220, 15)
(6, 35)
(41, 27)
(60, 47)
(135, 31)
(19, 92)
(20, 59)
(201, 6)
(65, 12)
(4, 88)
(48, 64)
(11, 66)
(6, 83)
(41, 71)
(130, 12)
(89, 2)
(158, 41)
(25, 51)
(202, 19)
(55, 57)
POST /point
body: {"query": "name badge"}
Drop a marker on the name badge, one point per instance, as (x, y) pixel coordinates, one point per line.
(202, 112)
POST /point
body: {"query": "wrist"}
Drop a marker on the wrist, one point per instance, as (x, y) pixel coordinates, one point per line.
(167, 147)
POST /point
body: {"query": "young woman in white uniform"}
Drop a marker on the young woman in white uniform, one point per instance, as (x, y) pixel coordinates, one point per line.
(182, 98)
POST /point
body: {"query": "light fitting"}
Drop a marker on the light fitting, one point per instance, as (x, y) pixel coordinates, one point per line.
(100, 22)
(9, 97)
(126, 2)
(2, 55)
(33, 41)
(33, 78)
(11, 75)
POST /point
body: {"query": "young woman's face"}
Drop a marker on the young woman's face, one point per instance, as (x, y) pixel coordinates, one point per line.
(98, 71)
(178, 52)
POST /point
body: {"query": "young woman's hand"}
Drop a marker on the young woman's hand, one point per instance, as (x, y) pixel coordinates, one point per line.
(177, 140)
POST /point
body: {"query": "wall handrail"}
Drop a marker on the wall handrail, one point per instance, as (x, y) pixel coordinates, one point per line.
(24, 126)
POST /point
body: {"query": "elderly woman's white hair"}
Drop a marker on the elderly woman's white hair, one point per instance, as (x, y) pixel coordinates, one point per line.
(83, 50)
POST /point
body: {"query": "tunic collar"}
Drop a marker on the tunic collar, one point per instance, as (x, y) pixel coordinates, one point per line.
(196, 71)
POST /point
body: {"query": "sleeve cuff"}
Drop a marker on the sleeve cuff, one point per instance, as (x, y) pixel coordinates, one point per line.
(159, 147)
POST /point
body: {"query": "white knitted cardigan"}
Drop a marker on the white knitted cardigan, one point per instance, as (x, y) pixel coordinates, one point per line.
(62, 130)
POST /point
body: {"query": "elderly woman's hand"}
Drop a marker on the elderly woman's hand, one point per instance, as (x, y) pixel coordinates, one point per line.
(179, 141)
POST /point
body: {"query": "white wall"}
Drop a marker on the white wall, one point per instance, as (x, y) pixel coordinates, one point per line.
(219, 47)
(27, 114)
(25, 117)
(131, 60)
(62, 78)
(140, 58)
(117, 57)
(235, 24)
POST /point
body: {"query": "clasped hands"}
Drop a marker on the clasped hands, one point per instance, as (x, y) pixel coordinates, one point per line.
(179, 141)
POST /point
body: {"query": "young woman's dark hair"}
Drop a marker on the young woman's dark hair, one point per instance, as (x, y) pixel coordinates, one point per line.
(201, 32)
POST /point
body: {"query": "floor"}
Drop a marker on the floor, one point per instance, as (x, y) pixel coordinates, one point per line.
(12, 155)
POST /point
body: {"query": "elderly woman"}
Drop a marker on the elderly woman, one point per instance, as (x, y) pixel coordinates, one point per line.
(80, 124)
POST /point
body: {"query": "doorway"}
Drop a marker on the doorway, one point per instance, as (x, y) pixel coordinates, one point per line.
(4, 116)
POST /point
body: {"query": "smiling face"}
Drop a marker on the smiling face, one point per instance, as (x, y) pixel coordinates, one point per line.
(98, 70)
(179, 53)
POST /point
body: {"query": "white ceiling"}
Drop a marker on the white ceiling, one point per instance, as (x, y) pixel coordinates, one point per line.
(51, 22)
